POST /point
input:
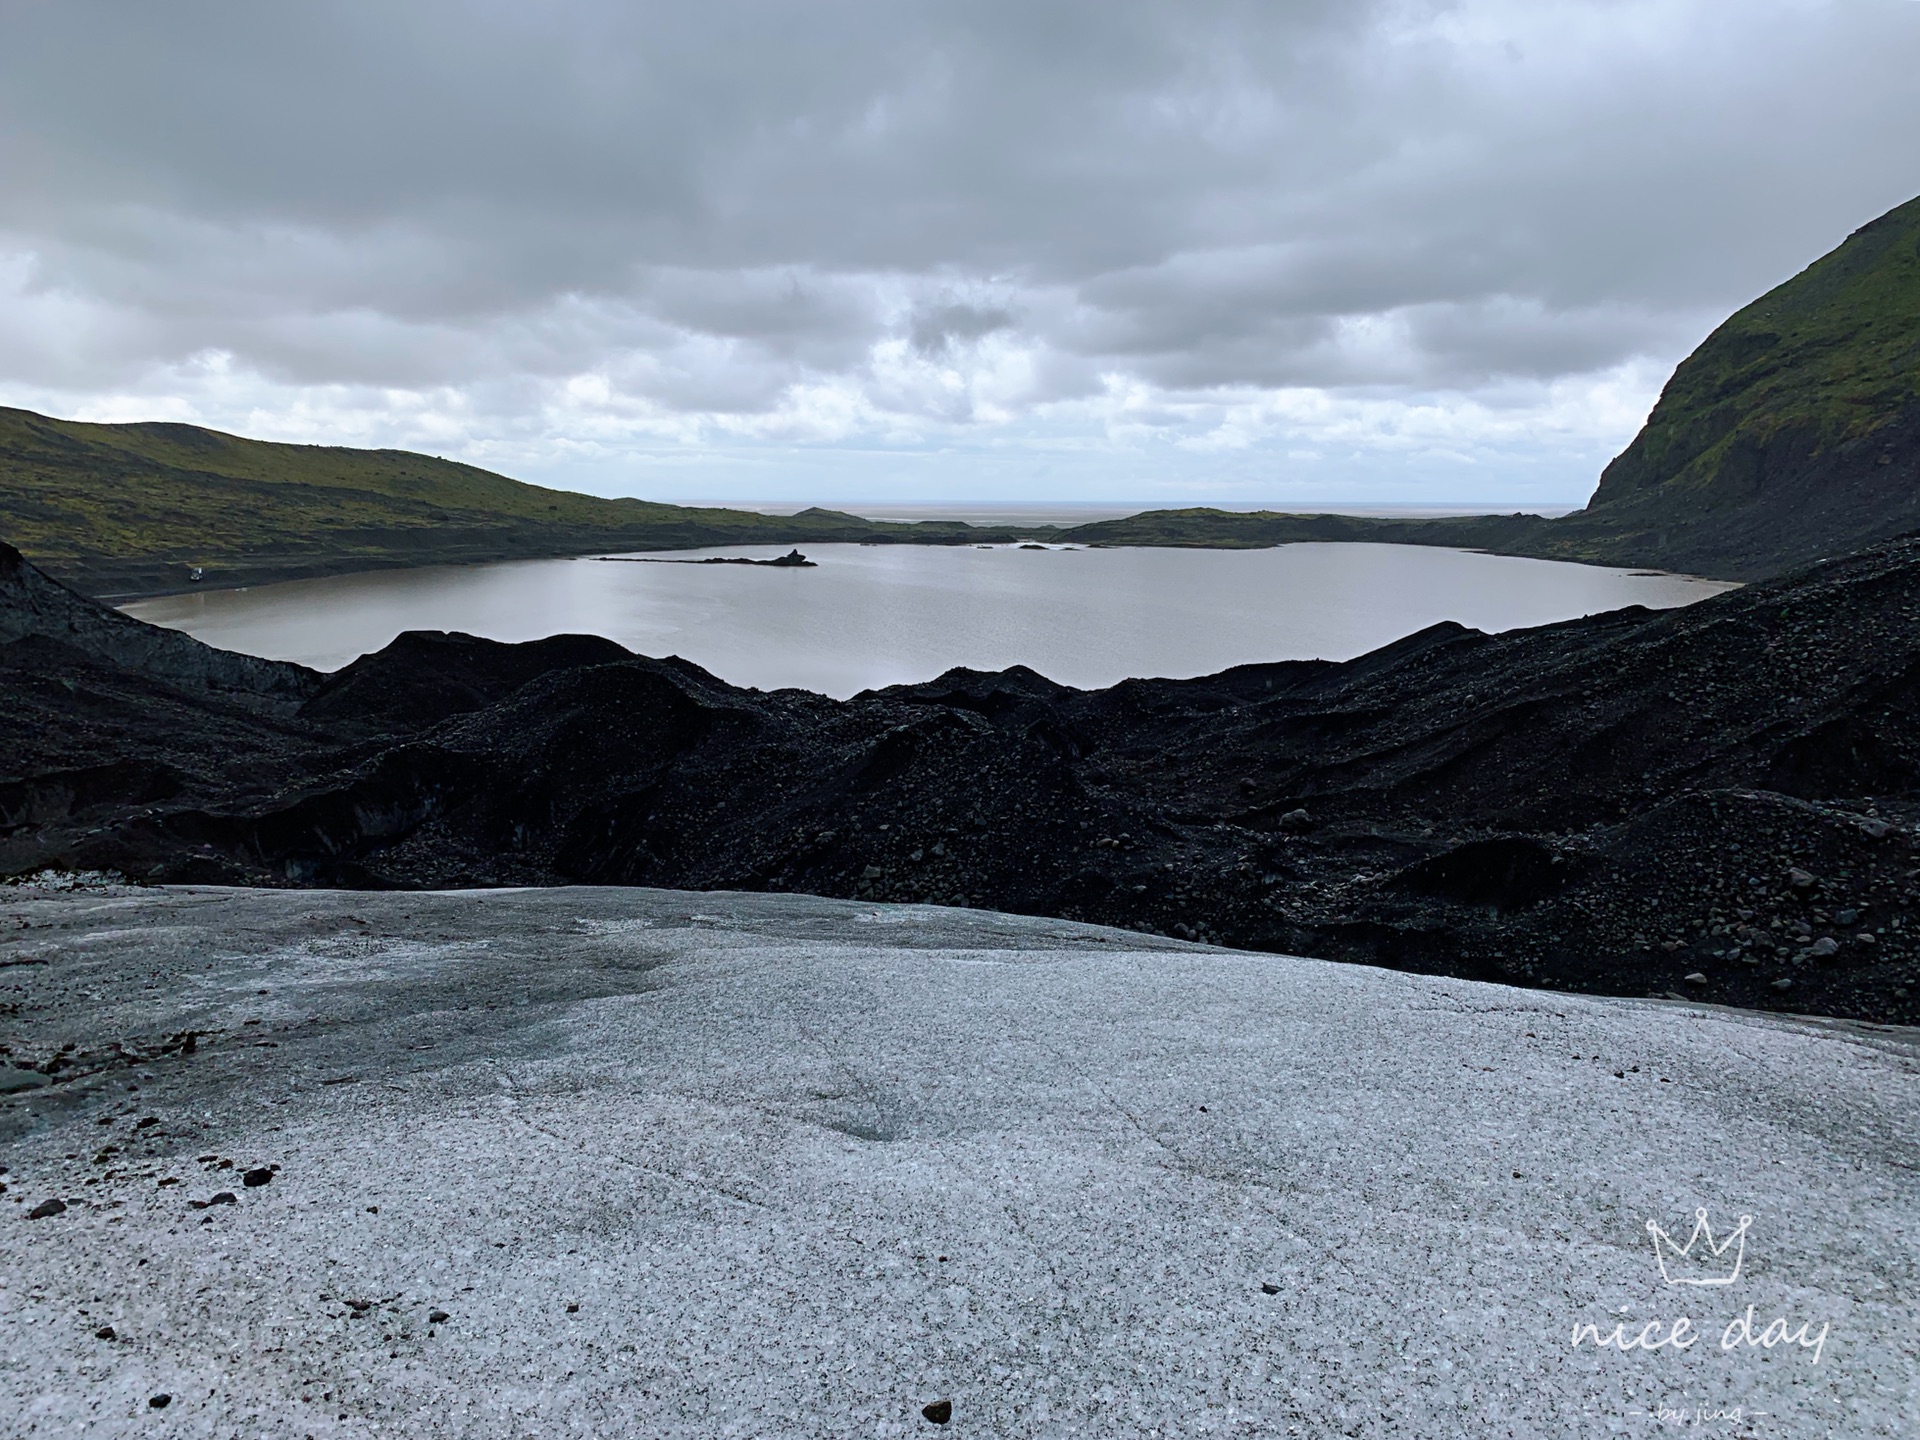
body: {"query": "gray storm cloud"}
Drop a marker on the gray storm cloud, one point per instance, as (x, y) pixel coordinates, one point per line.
(840, 220)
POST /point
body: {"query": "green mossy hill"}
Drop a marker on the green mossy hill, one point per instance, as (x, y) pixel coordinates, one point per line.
(1796, 424)
(128, 509)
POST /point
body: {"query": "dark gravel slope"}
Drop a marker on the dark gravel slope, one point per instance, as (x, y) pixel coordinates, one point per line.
(1718, 802)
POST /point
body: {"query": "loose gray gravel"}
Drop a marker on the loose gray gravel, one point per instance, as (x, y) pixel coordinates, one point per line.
(642, 1163)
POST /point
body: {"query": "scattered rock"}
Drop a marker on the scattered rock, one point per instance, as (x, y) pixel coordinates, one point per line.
(259, 1175)
(1267, 1287)
(105, 1332)
(159, 1402)
(1696, 978)
(224, 1197)
(1783, 983)
(438, 1317)
(939, 1412)
(1801, 879)
(47, 1209)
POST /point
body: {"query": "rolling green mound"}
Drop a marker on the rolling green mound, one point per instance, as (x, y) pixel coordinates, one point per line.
(125, 509)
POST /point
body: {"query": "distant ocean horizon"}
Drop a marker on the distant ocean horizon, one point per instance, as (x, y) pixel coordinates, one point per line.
(1086, 512)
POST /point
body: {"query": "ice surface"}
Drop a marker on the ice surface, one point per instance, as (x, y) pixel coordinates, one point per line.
(802, 1175)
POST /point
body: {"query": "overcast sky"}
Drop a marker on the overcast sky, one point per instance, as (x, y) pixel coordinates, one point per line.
(832, 249)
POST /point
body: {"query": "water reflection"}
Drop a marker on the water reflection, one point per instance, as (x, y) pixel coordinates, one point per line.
(878, 615)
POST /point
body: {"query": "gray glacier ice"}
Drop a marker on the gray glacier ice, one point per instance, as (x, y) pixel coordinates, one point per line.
(614, 1162)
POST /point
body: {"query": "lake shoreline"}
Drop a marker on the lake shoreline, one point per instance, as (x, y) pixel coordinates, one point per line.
(866, 616)
(109, 582)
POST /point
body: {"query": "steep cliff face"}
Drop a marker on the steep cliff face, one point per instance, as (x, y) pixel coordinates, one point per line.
(1793, 432)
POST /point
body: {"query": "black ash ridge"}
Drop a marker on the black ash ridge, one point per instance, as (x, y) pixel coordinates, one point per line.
(1704, 802)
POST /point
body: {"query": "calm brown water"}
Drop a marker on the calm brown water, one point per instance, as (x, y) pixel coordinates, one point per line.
(878, 615)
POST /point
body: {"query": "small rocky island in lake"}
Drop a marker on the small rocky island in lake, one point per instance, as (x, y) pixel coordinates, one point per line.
(792, 560)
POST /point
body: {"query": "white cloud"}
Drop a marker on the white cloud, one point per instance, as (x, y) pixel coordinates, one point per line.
(1124, 248)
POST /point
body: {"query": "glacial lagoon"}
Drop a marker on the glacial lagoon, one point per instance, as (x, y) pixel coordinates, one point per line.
(865, 616)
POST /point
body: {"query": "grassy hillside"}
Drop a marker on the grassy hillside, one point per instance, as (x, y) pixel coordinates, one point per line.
(129, 508)
(1827, 359)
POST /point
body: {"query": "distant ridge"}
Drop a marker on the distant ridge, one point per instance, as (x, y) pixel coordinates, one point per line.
(132, 509)
(1792, 434)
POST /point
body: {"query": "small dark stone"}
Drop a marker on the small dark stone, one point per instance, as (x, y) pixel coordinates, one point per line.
(259, 1175)
(159, 1402)
(225, 1197)
(146, 1122)
(47, 1209)
(573, 1309)
(1267, 1287)
(105, 1332)
(438, 1317)
(939, 1412)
